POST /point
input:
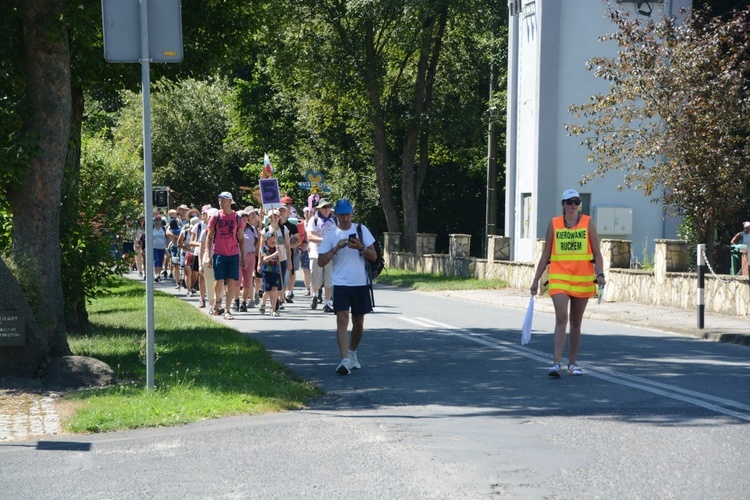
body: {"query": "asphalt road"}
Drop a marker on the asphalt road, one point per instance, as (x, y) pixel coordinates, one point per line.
(447, 405)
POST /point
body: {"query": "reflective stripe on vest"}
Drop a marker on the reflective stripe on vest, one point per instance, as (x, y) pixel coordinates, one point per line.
(570, 267)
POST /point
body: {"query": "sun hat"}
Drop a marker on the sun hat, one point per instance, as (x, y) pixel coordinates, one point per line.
(570, 193)
(323, 203)
(343, 207)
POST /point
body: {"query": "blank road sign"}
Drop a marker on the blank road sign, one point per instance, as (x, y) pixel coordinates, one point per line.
(121, 23)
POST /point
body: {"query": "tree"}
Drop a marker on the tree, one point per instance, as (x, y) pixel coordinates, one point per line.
(192, 151)
(367, 82)
(676, 118)
(55, 59)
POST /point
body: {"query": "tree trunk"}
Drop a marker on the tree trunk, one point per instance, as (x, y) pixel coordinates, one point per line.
(382, 163)
(75, 299)
(417, 137)
(36, 204)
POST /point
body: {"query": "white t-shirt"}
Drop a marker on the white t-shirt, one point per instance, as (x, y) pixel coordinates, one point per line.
(322, 227)
(348, 264)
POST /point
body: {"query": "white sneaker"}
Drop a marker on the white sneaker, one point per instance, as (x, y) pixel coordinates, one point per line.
(344, 367)
(353, 361)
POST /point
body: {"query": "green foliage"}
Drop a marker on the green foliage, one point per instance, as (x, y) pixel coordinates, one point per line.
(308, 104)
(109, 194)
(203, 370)
(191, 127)
(676, 119)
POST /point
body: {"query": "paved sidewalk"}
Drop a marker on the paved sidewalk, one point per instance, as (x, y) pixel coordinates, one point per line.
(718, 327)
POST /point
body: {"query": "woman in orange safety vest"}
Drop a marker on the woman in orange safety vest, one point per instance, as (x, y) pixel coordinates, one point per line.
(575, 263)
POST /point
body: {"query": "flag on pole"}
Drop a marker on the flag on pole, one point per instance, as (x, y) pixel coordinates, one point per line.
(267, 168)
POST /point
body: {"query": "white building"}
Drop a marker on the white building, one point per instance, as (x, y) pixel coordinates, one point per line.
(549, 43)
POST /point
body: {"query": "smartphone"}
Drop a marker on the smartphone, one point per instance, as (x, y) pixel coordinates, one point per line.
(353, 236)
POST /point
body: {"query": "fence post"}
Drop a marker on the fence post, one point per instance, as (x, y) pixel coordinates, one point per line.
(701, 284)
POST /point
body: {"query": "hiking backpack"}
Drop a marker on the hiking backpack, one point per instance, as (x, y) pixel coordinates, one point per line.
(373, 268)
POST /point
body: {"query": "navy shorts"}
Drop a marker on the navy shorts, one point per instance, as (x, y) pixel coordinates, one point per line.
(226, 267)
(271, 280)
(159, 256)
(356, 298)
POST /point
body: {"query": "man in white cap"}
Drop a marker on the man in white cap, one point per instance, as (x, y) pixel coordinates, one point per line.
(225, 243)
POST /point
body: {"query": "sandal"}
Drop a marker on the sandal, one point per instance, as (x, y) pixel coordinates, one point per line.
(574, 369)
(228, 315)
(554, 372)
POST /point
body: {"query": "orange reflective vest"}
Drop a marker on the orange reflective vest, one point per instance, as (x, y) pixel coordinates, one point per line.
(571, 267)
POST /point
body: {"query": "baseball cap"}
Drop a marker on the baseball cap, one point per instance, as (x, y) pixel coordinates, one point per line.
(273, 211)
(286, 200)
(269, 232)
(343, 206)
(227, 196)
(570, 193)
(324, 203)
(206, 208)
(746, 224)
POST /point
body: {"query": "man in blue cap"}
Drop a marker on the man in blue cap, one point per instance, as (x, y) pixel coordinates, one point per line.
(347, 246)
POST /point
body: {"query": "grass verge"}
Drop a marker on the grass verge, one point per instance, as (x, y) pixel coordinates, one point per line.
(202, 370)
(435, 282)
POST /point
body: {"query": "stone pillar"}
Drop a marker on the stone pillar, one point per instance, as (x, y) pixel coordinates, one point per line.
(426, 243)
(498, 248)
(459, 245)
(672, 255)
(391, 242)
(616, 254)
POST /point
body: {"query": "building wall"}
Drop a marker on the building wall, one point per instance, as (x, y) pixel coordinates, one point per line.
(550, 42)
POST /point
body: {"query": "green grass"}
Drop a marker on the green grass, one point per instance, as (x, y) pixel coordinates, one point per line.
(202, 369)
(435, 282)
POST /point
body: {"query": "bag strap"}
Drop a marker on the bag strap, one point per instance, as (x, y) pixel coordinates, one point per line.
(367, 265)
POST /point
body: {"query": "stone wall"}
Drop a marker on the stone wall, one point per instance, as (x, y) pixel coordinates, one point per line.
(668, 284)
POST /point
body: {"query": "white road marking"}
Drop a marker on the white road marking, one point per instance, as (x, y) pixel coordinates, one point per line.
(706, 401)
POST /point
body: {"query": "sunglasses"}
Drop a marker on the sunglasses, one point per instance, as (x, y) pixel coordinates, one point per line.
(573, 202)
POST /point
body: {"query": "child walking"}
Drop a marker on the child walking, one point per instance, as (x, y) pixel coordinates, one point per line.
(269, 264)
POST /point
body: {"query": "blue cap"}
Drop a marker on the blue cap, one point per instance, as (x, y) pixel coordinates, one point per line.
(343, 207)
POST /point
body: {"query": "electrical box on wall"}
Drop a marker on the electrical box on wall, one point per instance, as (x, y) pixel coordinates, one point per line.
(614, 221)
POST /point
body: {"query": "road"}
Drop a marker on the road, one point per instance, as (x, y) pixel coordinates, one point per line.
(447, 405)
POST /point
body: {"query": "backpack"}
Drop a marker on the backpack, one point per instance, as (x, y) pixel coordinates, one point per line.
(373, 268)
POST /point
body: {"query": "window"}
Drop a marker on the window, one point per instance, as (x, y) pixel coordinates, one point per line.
(525, 215)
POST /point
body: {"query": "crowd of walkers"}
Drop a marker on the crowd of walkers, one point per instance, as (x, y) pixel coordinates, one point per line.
(236, 261)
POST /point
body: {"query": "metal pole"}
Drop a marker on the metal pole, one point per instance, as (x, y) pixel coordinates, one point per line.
(701, 284)
(491, 207)
(147, 195)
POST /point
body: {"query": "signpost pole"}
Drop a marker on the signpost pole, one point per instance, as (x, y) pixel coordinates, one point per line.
(147, 194)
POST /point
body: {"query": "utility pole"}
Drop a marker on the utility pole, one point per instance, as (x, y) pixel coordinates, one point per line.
(491, 207)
